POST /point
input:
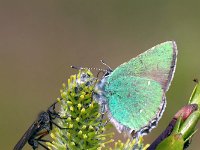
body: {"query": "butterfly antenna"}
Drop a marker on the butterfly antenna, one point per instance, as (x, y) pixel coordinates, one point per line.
(78, 68)
(109, 68)
(105, 71)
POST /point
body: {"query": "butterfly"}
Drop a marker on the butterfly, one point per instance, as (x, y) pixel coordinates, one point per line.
(133, 94)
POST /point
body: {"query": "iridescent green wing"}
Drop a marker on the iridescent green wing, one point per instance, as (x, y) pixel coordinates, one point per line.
(135, 103)
(157, 63)
(135, 91)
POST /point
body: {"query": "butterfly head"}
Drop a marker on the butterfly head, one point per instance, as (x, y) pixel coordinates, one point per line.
(85, 76)
(99, 91)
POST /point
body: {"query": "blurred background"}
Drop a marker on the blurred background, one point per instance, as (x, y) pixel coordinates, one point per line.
(39, 40)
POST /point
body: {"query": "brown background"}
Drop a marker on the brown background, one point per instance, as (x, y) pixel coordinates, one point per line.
(39, 40)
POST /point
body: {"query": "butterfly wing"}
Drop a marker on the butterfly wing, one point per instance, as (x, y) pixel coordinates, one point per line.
(135, 91)
(157, 63)
(135, 103)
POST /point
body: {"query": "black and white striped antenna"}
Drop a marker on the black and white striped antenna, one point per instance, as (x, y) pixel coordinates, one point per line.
(89, 68)
(105, 71)
(94, 68)
(109, 68)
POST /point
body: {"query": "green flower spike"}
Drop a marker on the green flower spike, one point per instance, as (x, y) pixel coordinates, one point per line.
(85, 124)
(130, 145)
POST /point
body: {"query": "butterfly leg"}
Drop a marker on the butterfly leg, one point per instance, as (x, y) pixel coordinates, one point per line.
(103, 113)
(103, 109)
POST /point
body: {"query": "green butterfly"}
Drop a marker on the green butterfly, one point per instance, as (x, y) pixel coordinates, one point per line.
(134, 93)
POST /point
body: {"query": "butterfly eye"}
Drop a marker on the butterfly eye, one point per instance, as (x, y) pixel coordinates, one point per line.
(108, 72)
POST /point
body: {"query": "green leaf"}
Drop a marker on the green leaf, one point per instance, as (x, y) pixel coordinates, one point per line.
(195, 97)
(172, 142)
